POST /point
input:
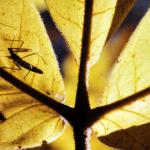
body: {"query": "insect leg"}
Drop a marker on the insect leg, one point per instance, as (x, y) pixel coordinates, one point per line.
(10, 68)
(7, 25)
(17, 49)
(26, 74)
(16, 41)
(35, 54)
(29, 55)
(44, 60)
(18, 67)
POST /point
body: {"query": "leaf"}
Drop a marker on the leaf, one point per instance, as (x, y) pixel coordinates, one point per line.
(28, 122)
(25, 24)
(131, 66)
(130, 75)
(24, 121)
(101, 70)
(68, 16)
(98, 72)
(70, 79)
(141, 142)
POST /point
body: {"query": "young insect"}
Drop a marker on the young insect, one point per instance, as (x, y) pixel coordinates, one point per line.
(19, 62)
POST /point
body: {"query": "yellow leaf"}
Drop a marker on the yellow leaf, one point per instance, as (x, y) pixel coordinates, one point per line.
(99, 73)
(28, 122)
(69, 15)
(21, 21)
(130, 75)
(70, 79)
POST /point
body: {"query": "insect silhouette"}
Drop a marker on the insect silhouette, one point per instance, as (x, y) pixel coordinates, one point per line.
(19, 62)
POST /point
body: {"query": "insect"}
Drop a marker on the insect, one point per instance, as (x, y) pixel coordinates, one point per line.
(19, 62)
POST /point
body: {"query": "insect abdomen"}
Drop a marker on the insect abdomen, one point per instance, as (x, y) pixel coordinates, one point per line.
(30, 67)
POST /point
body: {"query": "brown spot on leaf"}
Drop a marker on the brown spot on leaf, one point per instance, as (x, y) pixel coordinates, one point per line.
(2, 117)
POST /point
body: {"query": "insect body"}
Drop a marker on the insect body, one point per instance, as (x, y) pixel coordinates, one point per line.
(19, 62)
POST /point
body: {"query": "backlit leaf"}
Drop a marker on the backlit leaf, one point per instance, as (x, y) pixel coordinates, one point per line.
(70, 79)
(101, 70)
(69, 14)
(24, 122)
(98, 72)
(21, 21)
(130, 75)
(28, 122)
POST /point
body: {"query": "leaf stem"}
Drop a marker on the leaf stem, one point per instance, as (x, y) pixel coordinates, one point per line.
(98, 112)
(82, 101)
(82, 138)
(82, 107)
(62, 109)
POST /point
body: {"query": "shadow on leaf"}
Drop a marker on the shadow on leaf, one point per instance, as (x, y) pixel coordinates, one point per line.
(133, 138)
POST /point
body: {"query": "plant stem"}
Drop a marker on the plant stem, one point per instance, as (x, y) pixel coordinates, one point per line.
(82, 107)
(82, 101)
(64, 110)
(82, 138)
(98, 112)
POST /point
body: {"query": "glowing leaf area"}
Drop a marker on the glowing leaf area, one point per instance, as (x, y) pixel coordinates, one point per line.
(130, 75)
(25, 25)
(27, 122)
(69, 15)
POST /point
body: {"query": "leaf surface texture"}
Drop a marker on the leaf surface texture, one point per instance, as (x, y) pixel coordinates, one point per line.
(130, 75)
(28, 122)
(25, 24)
(69, 14)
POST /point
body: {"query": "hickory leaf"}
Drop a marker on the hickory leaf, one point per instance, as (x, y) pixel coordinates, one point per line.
(130, 75)
(69, 15)
(36, 114)
(34, 37)
(28, 122)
